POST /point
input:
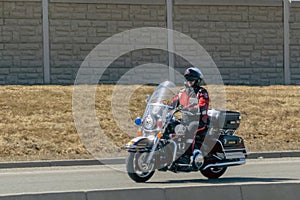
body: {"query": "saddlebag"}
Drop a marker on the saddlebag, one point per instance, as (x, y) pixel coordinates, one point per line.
(232, 141)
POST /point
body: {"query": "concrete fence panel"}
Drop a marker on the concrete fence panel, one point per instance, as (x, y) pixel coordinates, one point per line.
(295, 43)
(21, 55)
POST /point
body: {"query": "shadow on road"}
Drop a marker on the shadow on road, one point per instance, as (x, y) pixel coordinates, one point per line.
(225, 180)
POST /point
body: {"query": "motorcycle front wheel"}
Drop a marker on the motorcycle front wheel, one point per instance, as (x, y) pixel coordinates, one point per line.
(213, 172)
(137, 168)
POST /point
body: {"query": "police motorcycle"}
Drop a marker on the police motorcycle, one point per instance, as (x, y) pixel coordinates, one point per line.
(165, 140)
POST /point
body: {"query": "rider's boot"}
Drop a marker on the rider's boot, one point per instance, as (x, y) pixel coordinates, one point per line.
(197, 158)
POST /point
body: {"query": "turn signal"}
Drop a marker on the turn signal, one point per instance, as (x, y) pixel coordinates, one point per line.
(130, 143)
(139, 132)
(159, 124)
(159, 134)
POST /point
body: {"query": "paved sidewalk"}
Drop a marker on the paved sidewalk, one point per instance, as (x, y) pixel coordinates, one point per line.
(121, 160)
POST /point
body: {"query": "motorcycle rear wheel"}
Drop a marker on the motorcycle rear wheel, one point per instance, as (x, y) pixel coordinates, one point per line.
(213, 172)
(137, 169)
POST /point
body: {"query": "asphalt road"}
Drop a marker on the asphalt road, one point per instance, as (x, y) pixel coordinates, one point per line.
(83, 178)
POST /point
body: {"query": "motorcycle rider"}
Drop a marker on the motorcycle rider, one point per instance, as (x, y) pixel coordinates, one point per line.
(194, 99)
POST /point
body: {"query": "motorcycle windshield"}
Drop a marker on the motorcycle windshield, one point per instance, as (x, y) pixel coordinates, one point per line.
(157, 107)
(163, 93)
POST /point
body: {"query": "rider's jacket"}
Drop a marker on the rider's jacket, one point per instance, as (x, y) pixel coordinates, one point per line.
(196, 100)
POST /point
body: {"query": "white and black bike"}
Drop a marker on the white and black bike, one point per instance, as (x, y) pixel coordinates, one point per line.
(165, 140)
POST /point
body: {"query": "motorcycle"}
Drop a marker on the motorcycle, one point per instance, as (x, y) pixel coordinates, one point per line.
(165, 140)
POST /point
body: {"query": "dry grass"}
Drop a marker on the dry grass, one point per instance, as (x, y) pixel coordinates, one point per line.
(36, 122)
(271, 119)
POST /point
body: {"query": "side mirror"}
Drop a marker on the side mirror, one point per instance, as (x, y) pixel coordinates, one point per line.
(147, 98)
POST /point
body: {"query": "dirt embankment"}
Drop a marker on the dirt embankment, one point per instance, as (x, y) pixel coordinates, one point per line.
(37, 123)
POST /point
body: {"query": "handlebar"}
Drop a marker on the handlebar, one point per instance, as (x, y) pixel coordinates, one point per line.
(181, 109)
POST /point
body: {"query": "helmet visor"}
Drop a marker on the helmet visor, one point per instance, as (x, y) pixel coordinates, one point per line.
(191, 78)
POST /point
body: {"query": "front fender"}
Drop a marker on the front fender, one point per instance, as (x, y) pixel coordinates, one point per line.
(140, 144)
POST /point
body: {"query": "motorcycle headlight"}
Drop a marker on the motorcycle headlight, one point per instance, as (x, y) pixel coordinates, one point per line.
(149, 122)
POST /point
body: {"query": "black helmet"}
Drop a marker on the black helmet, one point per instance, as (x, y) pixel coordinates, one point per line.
(193, 74)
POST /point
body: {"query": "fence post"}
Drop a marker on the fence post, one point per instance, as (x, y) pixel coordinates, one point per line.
(170, 40)
(286, 35)
(46, 49)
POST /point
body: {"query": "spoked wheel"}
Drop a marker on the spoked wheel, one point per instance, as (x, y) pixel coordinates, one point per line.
(137, 168)
(214, 172)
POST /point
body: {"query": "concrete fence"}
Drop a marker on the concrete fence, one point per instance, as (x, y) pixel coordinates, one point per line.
(252, 42)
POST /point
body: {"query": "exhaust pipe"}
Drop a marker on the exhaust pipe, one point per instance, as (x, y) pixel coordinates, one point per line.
(226, 164)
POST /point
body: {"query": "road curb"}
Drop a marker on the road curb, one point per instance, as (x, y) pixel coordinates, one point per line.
(121, 160)
(57, 163)
(275, 191)
(283, 154)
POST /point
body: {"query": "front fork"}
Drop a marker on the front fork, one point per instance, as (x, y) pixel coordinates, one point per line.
(151, 154)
